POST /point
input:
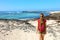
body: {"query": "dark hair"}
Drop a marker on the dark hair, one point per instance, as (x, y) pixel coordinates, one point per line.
(42, 14)
(41, 19)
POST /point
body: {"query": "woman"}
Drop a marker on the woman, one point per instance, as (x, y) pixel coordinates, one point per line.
(41, 26)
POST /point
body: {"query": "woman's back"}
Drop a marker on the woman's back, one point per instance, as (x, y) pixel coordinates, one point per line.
(41, 28)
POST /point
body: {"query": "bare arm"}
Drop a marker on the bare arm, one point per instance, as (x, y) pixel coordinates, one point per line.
(37, 27)
(45, 27)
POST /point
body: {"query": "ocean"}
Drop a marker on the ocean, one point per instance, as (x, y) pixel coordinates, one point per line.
(26, 29)
(20, 14)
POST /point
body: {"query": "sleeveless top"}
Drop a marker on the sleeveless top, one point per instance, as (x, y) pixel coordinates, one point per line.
(41, 28)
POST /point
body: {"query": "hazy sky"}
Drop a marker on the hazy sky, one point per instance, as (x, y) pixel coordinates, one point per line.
(18, 5)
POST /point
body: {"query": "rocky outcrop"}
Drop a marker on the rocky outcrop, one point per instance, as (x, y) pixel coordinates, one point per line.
(53, 16)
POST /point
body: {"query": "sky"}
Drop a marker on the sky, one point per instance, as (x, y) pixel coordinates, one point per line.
(23, 5)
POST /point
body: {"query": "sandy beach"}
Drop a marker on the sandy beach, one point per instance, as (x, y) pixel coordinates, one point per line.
(19, 30)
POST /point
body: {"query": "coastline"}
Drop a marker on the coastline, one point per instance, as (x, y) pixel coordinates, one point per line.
(26, 30)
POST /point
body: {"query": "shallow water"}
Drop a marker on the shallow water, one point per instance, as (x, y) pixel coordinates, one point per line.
(20, 15)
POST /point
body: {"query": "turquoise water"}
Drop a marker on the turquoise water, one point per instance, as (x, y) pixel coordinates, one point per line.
(20, 15)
